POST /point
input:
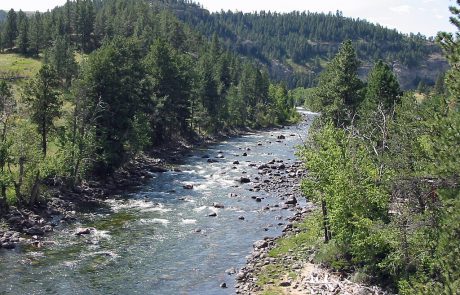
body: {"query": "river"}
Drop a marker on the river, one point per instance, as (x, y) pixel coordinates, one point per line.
(159, 239)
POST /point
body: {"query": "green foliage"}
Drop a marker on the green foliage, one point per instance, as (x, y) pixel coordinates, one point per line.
(382, 88)
(113, 77)
(43, 98)
(62, 58)
(388, 183)
(339, 87)
(10, 30)
(344, 176)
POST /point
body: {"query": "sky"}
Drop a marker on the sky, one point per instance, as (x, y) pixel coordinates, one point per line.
(407, 16)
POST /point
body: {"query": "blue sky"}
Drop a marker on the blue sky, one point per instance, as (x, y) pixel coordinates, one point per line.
(424, 16)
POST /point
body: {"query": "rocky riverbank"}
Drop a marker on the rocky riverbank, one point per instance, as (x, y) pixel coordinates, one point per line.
(29, 226)
(294, 271)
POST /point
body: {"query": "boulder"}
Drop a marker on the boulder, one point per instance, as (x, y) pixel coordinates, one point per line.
(82, 231)
(158, 169)
(245, 180)
(260, 244)
(218, 206)
(291, 201)
(188, 186)
(34, 231)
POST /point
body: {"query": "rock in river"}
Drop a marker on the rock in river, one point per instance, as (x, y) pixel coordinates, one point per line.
(82, 231)
(291, 201)
(245, 180)
(218, 206)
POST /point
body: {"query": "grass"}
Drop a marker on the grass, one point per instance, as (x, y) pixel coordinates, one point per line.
(19, 69)
(12, 65)
(298, 245)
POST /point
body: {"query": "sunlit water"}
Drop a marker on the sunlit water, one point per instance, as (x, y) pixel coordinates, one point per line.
(159, 239)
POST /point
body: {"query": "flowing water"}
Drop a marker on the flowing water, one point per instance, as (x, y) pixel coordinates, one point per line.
(160, 239)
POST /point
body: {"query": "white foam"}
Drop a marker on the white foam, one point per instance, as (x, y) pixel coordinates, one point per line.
(199, 209)
(101, 234)
(160, 208)
(118, 205)
(188, 221)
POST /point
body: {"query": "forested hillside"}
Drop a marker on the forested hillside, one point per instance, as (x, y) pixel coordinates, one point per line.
(117, 78)
(296, 46)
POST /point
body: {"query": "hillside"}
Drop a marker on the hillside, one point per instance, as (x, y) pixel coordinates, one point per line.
(296, 46)
(2, 15)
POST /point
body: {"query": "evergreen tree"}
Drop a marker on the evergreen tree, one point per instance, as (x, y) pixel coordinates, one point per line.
(7, 104)
(43, 98)
(113, 82)
(382, 87)
(339, 86)
(170, 88)
(62, 57)
(22, 41)
(85, 24)
(11, 29)
(36, 34)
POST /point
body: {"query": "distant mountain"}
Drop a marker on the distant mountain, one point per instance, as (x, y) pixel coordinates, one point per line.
(3, 15)
(295, 46)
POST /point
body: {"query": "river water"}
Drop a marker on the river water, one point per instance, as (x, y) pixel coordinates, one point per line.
(159, 239)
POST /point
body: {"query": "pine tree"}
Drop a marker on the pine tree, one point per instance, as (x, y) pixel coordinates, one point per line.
(170, 88)
(339, 86)
(112, 81)
(43, 98)
(382, 87)
(36, 34)
(22, 41)
(11, 29)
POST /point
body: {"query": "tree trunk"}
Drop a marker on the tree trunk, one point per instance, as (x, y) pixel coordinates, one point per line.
(327, 233)
(44, 142)
(35, 190)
